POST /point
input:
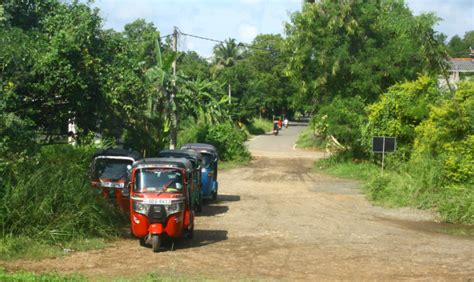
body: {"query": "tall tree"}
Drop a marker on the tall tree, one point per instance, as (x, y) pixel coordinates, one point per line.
(60, 71)
(356, 48)
(460, 47)
(457, 48)
(226, 54)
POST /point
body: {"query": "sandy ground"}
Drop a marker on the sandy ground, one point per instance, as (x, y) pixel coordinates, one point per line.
(276, 219)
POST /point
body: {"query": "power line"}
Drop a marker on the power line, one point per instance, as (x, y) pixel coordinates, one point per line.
(166, 35)
(223, 42)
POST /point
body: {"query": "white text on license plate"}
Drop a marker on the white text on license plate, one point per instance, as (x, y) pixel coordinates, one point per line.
(154, 201)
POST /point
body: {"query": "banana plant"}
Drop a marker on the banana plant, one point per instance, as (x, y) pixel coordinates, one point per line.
(161, 78)
(205, 100)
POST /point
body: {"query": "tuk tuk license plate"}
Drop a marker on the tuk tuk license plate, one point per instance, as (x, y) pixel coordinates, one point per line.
(154, 201)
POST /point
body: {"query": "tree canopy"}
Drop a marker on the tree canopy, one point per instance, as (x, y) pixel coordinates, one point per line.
(356, 48)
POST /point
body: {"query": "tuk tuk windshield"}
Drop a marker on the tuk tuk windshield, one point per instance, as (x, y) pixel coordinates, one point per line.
(113, 169)
(152, 180)
(207, 160)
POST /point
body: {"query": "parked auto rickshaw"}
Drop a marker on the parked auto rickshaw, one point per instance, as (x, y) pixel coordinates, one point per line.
(109, 172)
(209, 184)
(160, 200)
(196, 160)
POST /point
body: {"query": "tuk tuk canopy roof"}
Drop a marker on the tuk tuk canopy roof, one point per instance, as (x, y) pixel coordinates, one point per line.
(118, 152)
(181, 163)
(193, 156)
(201, 147)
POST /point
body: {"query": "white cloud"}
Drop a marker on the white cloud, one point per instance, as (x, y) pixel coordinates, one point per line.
(247, 32)
(457, 15)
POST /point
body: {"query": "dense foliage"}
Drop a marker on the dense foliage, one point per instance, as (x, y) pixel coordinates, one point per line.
(356, 48)
(373, 69)
(399, 111)
(460, 47)
(61, 206)
(447, 134)
(342, 119)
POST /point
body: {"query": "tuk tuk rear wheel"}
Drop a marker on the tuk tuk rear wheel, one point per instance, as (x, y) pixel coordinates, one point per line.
(155, 243)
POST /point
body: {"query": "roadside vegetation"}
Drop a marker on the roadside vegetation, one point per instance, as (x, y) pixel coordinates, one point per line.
(433, 166)
(48, 207)
(387, 78)
(30, 276)
(360, 68)
(258, 126)
(61, 70)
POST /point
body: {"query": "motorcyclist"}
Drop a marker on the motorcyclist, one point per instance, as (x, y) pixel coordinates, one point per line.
(275, 127)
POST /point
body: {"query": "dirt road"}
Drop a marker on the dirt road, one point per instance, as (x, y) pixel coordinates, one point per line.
(277, 219)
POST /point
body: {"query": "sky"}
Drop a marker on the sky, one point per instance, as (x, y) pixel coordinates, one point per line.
(244, 19)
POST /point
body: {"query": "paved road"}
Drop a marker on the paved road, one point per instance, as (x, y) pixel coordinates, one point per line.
(282, 145)
(276, 219)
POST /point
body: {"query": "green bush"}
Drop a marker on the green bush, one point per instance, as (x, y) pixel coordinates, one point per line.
(307, 139)
(448, 134)
(53, 202)
(227, 138)
(399, 111)
(342, 118)
(229, 141)
(258, 126)
(191, 131)
(17, 143)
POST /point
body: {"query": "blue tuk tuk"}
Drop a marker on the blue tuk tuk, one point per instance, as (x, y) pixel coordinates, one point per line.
(209, 184)
(196, 160)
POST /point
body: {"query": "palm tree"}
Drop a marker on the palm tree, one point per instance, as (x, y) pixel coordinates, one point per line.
(227, 53)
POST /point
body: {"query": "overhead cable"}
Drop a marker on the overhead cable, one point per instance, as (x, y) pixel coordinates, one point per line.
(223, 42)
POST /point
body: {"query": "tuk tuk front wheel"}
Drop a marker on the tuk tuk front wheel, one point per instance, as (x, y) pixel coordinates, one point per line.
(214, 195)
(155, 243)
(142, 242)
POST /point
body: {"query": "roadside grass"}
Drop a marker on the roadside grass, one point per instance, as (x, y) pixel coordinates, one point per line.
(409, 184)
(258, 126)
(50, 207)
(360, 170)
(18, 247)
(233, 164)
(31, 276)
(307, 139)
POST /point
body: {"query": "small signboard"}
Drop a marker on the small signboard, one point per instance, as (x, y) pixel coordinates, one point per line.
(382, 144)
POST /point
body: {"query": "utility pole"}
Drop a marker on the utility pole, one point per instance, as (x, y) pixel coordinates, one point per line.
(230, 95)
(173, 117)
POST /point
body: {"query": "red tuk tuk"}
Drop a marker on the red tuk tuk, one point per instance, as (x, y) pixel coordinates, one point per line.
(160, 204)
(109, 172)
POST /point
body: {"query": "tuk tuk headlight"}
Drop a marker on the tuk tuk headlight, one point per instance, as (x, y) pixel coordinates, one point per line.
(140, 207)
(175, 207)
